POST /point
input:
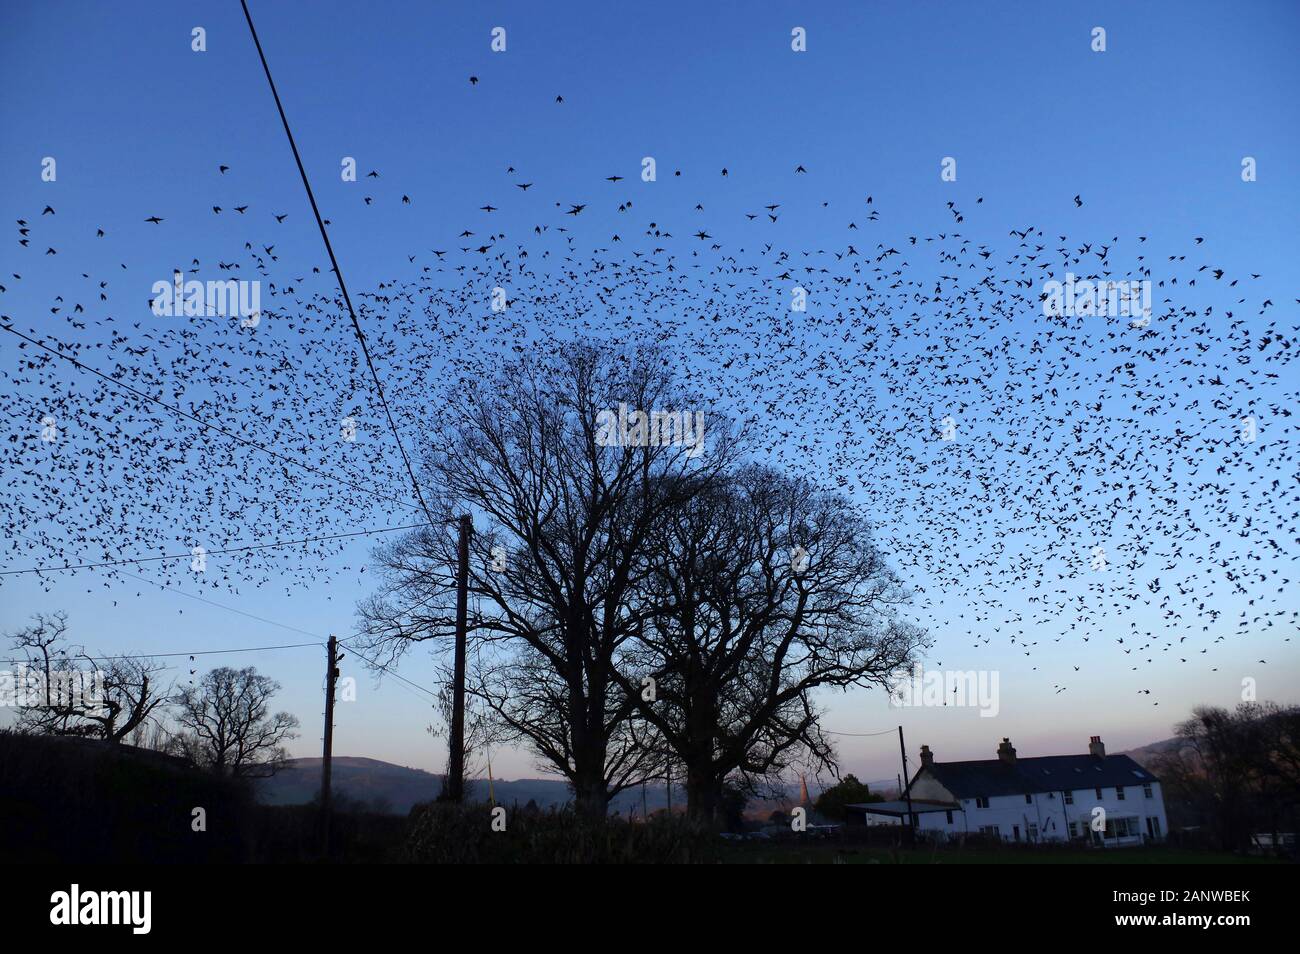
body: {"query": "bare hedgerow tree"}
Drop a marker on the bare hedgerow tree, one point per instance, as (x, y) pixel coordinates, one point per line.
(227, 725)
(760, 591)
(1236, 772)
(80, 694)
(562, 515)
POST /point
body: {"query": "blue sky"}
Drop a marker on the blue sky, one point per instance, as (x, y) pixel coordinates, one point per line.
(1151, 133)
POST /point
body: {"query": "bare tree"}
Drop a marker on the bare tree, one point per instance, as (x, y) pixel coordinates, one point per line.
(153, 734)
(79, 694)
(760, 591)
(227, 726)
(562, 514)
(1237, 772)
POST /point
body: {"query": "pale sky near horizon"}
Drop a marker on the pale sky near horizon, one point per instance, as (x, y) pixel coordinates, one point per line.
(1151, 132)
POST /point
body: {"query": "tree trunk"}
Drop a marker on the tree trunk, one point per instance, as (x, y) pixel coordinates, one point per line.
(703, 780)
(703, 794)
(590, 797)
(590, 794)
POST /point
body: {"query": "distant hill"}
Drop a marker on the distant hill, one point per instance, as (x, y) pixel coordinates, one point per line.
(381, 785)
(1145, 755)
(395, 788)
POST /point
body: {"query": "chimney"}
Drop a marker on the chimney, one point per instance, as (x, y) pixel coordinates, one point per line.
(927, 757)
(1096, 747)
(1006, 754)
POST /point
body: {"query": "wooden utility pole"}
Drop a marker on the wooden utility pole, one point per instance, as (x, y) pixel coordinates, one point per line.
(907, 792)
(331, 677)
(455, 789)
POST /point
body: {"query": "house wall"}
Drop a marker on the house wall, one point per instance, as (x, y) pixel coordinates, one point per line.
(1046, 817)
(927, 786)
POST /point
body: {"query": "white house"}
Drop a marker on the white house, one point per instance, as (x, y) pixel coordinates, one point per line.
(1109, 800)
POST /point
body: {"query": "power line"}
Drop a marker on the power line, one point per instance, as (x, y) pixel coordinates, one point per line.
(202, 599)
(861, 735)
(202, 423)
(187, 556)
(320, 223)
(258, 649)
(199, 652)
(261, 619)
(379, 665)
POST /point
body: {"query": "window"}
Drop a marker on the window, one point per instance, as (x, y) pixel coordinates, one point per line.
(1122, 828)
(991, 830)
(981, 803)
(1033, 832)
(1069, 798)
(1099, 792)
(1153, 827)
(1029, 799)
(1146, 790)
(949, 818)
(1119, 792)
(1074, 829)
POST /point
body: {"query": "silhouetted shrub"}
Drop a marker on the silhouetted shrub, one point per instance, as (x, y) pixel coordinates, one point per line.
(66, 800)
(84, 800)
(292, 834)
(449, 834)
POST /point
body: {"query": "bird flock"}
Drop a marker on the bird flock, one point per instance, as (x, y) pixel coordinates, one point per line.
(1126, 488)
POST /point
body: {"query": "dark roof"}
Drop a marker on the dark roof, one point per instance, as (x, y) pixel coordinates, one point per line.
(919, 807)
(1047, 773)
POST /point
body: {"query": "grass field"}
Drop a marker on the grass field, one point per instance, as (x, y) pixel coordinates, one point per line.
(825, 853)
